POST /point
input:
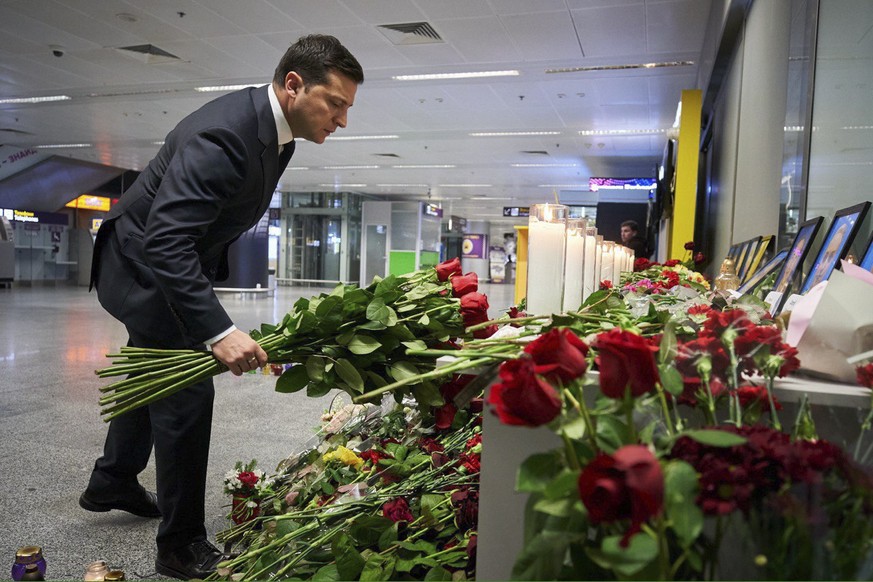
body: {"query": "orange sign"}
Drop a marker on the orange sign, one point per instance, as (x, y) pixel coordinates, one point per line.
(88, 202)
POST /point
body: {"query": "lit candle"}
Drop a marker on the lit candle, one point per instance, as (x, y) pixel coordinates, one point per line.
(590, 274)
(547, 245)
(574, 264)
(607, 261)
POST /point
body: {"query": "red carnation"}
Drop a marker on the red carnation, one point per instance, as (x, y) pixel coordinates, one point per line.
(448, 268)
(463, 284)
(865, 375)
(625, 360)
(626, 485)
(641, 264)
(466, 504)
(559, 355)
(689, 246)
(672, 263)
(430, 445)
(604, 285)
(522, 397)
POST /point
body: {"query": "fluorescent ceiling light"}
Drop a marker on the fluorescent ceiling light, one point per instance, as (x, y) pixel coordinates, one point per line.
(343, 185)
(354, 137)
(513, 133)
(544, 165)
(620, 67)
(402, 185)
(350, 167)
(562, 186)
(621, 131)
(465, 185)
(297, 168)
(455, 75)
(855, 127)
(476, 198)
(64, 145)
(227, 87)
(424, 166)
(46, 99)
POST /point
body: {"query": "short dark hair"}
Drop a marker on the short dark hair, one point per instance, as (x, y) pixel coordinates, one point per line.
(632, 224)
(313, 56)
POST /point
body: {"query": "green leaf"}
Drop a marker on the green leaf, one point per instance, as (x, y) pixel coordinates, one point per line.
(344, 338)
(327, 573)
(566, 484)
(668, 345)
(339, 290)
(366, 529)
(363, 344)
(427, 394)
(542, 557)
(429, 501)
(438, 574)
(386, 285)
(403, 370)
(350, 375)
(372, 326)
(378, 567)
(612, 433)
(575, 428)
(537, 471)
(641, 551)
(377, 310)
(329, 305)
(680, 492)
(349, 561)
(316, 390)
(307, 322)
(424, 320)
(293, 379)
(415, 345)
(671, 380)
(388, 537)
(315, 368)
(377, 379)
(715, 438)
(556, 507)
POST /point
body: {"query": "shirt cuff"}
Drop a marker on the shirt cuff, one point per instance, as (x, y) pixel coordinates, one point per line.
(222, 335)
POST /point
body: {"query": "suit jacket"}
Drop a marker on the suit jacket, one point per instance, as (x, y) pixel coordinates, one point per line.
(165, 242)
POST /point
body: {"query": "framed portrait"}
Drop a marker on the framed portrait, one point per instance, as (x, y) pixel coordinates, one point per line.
(796, 255)
(867, 260)
(771, 267)
(749, 248)
(733, 252)
(741, 256)
(836, 244)
(756, 257)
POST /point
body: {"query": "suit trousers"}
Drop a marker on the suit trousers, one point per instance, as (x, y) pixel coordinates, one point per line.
(179, 428)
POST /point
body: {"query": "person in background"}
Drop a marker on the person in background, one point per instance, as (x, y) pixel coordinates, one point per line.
(156, 257)
(630, 237)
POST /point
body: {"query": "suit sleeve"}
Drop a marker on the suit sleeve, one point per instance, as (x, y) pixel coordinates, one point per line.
(206, 171)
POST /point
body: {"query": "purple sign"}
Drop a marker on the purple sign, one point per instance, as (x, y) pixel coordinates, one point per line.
(473, 246)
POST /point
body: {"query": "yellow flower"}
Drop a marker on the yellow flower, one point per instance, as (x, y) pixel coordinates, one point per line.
(345, 456)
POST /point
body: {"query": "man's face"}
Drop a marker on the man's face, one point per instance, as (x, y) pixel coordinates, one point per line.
(316, 111)
(627, 233)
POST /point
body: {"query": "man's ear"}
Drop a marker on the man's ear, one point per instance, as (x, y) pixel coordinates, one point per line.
(293, 83)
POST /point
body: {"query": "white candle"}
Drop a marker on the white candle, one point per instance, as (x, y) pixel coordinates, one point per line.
(574, 265)
(547, 239)
(607, 260)
(590, 275)
(598, 259)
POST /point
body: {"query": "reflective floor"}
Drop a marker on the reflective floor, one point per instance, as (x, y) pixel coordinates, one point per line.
(51, 341)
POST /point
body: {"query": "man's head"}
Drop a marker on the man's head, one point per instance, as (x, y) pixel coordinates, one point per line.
(316, 81)
(629, 229)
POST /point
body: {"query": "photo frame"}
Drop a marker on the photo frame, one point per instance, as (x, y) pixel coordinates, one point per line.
(757, 257)
(836, 245)
(867, 261)
(794, 261)
(749, 248)
(769, 268)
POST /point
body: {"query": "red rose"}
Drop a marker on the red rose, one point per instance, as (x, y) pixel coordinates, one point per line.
(522, 397)
(444, 416)
(699, 258)
(448, 268)
(397, 510)
(671, 263)
(626, 485)
(466, 504)
(248, 478)
(604, 285)
(641, 264)
(689, 246)
(485, 332)
(625, 359)
(865, 375)
(430, 445)
(373, 456)
(474, 308)
(559, 355)
(752, 395)
(514, 313)
(463, 284)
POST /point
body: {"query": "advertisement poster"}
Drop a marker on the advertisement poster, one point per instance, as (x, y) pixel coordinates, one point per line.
(473, 246)
(497, 264)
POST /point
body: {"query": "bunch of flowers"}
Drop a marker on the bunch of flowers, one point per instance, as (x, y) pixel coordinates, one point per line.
(649, 277)
(384, 496)
(354, 339)
(247, 486)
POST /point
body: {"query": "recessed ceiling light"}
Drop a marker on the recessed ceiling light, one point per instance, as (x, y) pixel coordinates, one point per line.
(544, 165)
(465, 185)
(621, 131)
(620, 67)
(350, 167)
(424, 166)
(512, 133)
(64, 145)
(471, 75)
(227, 87)
(354, 137)
(47, 98)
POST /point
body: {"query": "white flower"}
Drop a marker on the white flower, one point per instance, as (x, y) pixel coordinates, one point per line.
(251, 504)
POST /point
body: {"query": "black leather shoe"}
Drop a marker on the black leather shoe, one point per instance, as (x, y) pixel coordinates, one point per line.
(196, 560)
(138, 502)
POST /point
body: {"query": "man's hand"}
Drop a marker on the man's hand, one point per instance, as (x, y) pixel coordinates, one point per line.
(239, 352)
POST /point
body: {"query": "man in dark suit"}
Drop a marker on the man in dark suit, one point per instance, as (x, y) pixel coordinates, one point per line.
(630, 237)
(157, 255)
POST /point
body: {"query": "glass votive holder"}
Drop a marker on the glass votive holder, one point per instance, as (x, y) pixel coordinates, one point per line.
(574, 264)
(96, 571)
(26, 556)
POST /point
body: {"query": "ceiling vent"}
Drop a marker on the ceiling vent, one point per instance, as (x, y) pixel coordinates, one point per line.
(535, 152)
(149, 54)
(410, 33)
